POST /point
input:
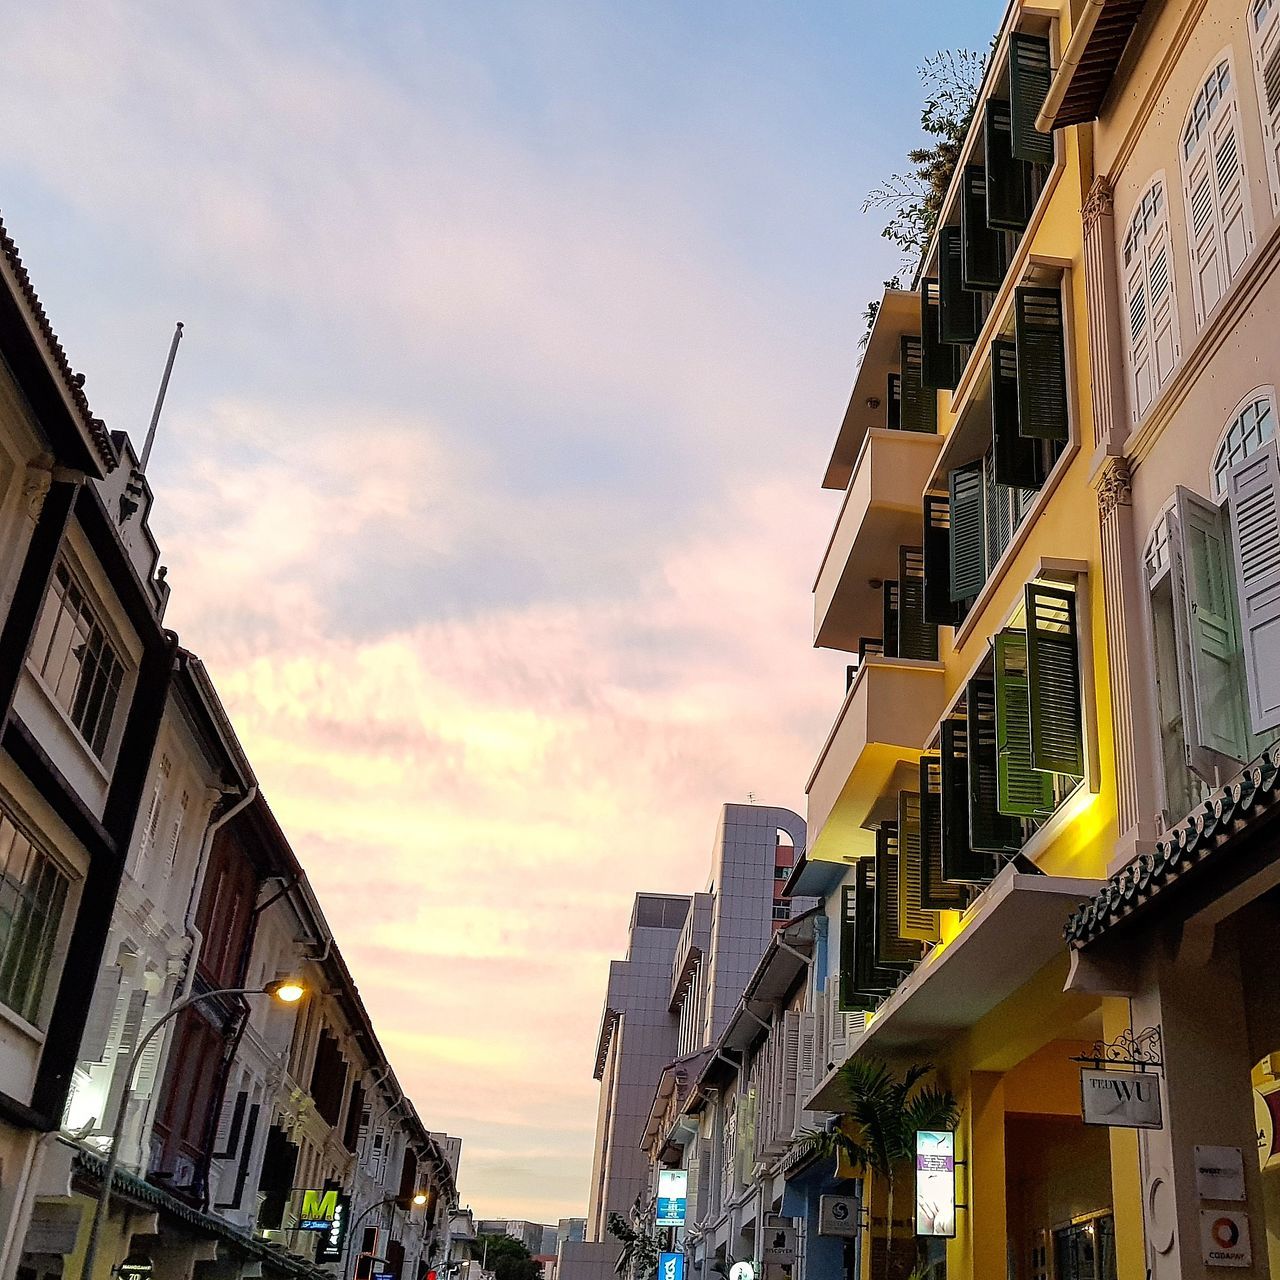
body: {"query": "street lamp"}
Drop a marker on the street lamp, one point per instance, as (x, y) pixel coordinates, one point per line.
(286, 990)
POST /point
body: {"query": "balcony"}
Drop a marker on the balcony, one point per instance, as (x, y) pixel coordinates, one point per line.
(891, 709)
(882, 511)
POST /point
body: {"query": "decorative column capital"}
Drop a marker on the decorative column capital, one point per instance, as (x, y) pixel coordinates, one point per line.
(36, 484)
(1100, 204)
(1114, 486)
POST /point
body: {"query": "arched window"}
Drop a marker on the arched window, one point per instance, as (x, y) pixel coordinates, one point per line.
(1214, 188)
(1264, 40)
(1253, 424)
(1151, 326)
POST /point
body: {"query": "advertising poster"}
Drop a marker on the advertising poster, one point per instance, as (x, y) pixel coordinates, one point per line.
(673, 1187)
(935, 1183)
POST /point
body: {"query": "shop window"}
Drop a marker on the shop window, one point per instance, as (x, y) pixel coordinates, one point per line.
(1215, 189)
(1264, 41)
(1151, 310)
(33, 892)
(1085, 1250)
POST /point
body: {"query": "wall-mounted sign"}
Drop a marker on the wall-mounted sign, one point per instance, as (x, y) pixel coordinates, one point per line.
(137, 1266)
(935, 1183)
(1121, 1099)
(673, 1186)
(779, 1247)
(318, 1208)
(1224, 1238)
(837, 1216)
(671, 1266)
(332, 1243)
(1219, 1173)
(1266, 1111)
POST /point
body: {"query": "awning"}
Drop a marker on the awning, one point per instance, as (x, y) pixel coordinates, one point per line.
(1009, 935)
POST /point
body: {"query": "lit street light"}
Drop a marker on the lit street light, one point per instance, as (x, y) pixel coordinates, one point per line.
(286, 990)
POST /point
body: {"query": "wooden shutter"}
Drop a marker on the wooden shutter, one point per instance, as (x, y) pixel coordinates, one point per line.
(1164, 340)
(1138, 322)
(102, 1011)
(1042, 363)
(1022, 791)
(961, 863)
(990, 830)
(982, 255)
(851, 999)
(1231, 193)
(1265, 36)
(1008, 178)
(917, 636)
(919, 403)
(889, 618)
(1053, 668)
(1019, 461)
(914, 921)
(1253, 488)
(968, 531)
(1214, 716)
(872, 979)
(959, 314)
(939, 608)
(1029, 77)
(935, 893)
(1208, 272)
(999, 508)
(892, 949)
(894, 407)
(939, 361)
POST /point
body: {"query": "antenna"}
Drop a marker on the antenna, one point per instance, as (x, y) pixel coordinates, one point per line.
(164, 387)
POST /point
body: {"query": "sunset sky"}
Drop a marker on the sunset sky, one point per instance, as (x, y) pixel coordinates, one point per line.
(517, 337)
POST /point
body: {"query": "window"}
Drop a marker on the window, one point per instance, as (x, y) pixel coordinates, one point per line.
(32, 893)
(1214, 189)
(1264, 40)
(1251, 428)
(1151, 322)
(76, 661)
(152, 826)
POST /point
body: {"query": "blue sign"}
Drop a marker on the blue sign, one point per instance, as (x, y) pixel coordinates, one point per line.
(672, 1190)
(671, 1266)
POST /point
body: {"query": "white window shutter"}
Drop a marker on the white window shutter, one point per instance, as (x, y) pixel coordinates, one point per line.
(1139, 329)
(102, 1012)
(1230, 189)
(1162, 302)
(1266, 70)
(1202, 233)
(1253, 490)
(1208, 636)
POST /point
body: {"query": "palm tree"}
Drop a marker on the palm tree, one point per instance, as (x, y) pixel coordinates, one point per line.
(876, 1129)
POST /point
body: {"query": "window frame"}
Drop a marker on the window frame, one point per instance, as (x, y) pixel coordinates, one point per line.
(1264, 391)
(1264, 48)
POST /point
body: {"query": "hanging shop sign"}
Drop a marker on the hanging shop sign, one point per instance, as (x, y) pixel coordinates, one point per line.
(1120, 1099)
(837, 1216)
(1224, 1238)
(935, 1183)
(779, 1242)
(671, 1266)
(673, 1188)
(332, 1242)
(137, 1266)
(1219, 1173)
(318, 1208)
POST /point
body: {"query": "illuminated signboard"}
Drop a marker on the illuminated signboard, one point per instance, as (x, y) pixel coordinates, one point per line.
(935, 1183)
(673, 1187)
(333, 1241)
(671, 1266)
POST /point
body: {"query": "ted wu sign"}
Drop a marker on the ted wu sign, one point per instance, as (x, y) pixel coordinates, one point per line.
(1123, 1099)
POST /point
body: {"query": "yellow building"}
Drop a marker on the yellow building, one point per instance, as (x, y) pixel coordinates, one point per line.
(968, 783)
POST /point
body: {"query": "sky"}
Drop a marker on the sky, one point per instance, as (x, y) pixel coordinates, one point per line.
(517, 337)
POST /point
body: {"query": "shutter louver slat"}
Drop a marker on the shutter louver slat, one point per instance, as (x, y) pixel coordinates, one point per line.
(1053, 670)
(990, 831)
(1019, 461)
(1008, 178)
(959, 314)
(935, 893)
(917, 637)
(1030, 75)
(1021, 790)
(939, 608)
(919, 402)
(1042, 364)
(960, 861)
(982, 251)
(892, 949)
(889, 618)
(968, 532)
(1253, 487)
(914, 920)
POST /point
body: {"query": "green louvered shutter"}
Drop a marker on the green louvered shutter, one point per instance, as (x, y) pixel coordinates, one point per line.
(982, 255)
(968, 531)
(1019, 461)
(1030, 74)
(917, 636)
(935, 893)
(889, 618)
(851, 999)
(872, 978)
(1042, 364)
(1008, 178)
(960, 861)
(894, 408)
(1053, 669)
(990, 830)
(941, 362)
(914, 919)
(939, 607)
(892, 949)
(1022, 791)
(959, 309)
(919, 403)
